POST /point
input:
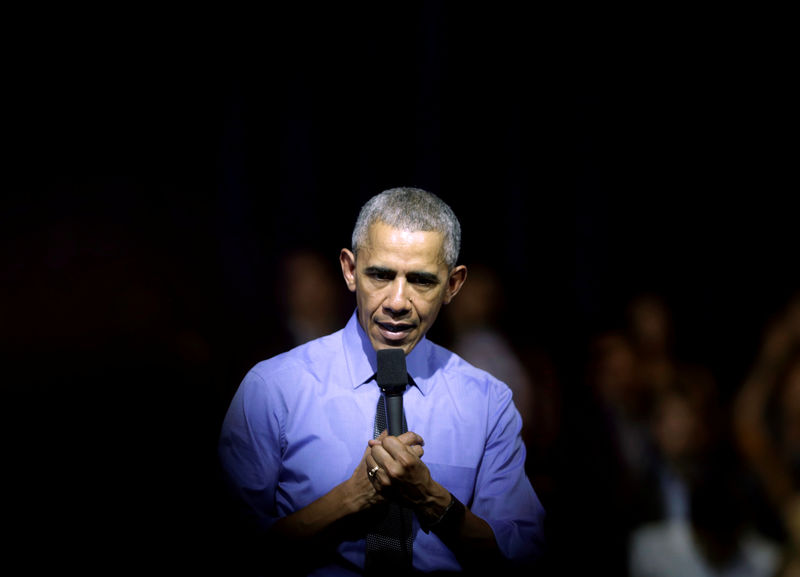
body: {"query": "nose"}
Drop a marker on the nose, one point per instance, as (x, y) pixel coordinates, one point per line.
(397, 301)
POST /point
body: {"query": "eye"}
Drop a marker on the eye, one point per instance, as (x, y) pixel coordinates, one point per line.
(423, 280)
(380, 274)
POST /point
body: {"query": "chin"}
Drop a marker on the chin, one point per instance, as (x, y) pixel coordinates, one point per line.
(381, 344)
(378, 345)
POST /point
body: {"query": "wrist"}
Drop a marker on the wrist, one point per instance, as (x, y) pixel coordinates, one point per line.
(348, 497)
(443, 520)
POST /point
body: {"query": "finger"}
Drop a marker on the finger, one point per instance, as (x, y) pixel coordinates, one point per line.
(411, 438)
(396, 447)
(393, 462)
(377, 475)
(373, 469)
(381, 478)
(371, 463)
(381, 457)
(377, 440)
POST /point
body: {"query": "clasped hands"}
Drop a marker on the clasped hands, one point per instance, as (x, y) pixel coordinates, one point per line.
(394, 467)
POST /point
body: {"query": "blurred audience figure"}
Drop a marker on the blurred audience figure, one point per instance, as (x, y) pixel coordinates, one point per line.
(767, 425)
(716, 539)
(661, 419)
(684, 413)
(608, 447)
(699, 521)
(624, 402)
(310, 292)
(651, 328)
(686, 429)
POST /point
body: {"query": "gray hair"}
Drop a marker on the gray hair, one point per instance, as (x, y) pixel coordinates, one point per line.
(411, 209)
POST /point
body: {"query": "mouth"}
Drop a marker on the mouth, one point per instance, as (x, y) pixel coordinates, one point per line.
(394, 331)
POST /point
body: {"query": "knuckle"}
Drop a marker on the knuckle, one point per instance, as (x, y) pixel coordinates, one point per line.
(394, 471)
(404, 461)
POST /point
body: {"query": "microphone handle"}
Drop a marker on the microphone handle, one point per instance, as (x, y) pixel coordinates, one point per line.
(394, 413)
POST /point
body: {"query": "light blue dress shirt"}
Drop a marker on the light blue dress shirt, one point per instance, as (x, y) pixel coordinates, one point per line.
(299, 423)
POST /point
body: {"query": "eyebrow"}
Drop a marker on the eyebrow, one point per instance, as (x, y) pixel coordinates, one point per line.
(379, 270)
(413, 276)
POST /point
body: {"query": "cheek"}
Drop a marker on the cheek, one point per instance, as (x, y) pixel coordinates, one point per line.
(428, 309)
(368, 301)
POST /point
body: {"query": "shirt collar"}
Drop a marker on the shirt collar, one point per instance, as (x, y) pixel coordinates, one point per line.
(362, 360)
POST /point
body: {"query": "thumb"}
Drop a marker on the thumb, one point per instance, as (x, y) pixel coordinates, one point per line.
(379, 440)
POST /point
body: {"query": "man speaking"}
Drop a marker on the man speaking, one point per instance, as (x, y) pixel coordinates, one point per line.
(325, 487)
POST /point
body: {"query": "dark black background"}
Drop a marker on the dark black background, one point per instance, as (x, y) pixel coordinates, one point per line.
(158, 166)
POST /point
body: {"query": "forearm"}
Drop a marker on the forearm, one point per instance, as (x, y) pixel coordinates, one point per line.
(469, 537)
(310, 535)
(753, 438)
(312, 520)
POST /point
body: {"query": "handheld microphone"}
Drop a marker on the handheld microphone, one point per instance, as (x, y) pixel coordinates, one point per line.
(392, 378)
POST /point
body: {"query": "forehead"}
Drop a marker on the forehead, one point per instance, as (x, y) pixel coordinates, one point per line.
(389, 246)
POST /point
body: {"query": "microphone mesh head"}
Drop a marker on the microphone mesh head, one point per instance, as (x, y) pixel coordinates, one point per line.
(391, 368)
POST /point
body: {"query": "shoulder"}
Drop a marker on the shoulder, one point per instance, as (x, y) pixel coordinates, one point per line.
(458, 371)
(298, 364)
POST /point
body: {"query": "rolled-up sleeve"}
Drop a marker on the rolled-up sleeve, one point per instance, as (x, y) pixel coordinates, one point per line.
(249, 449)
(504, 496)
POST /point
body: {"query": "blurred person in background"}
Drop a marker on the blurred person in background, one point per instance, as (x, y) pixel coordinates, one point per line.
(650, 324)
(624, 401)
(683, 410)
(685, 431)
(716, 539)
(699, 522)
(607, 439)
(308, 290)
(657, 420)
(767, 426)
(696, 520)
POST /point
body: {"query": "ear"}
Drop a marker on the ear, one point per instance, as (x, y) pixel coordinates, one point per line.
(454, 283)
(348, 261)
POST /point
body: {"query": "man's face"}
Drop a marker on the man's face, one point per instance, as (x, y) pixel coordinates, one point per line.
(401, 283)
